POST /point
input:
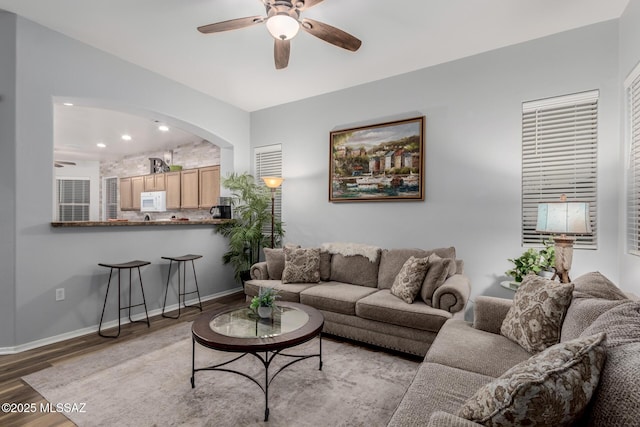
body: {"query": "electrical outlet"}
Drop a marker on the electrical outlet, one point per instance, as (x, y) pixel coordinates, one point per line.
(59, 294)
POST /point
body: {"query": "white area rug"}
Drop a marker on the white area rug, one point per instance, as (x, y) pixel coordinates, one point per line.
(145, 382)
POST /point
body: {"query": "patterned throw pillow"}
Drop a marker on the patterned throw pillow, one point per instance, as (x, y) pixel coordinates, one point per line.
(301, 265)
(535, 319)
(551, 388)
(409, 280)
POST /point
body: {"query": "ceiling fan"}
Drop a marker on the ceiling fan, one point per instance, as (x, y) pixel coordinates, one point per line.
(283, 22)
(61, 164)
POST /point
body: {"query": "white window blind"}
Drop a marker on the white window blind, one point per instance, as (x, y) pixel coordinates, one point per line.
(559, 156)
(110, 198)
(268, 162)
(632, 87)
(72, 199)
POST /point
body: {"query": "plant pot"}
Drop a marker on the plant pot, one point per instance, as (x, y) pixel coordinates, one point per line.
(265, 312)
(546, 274)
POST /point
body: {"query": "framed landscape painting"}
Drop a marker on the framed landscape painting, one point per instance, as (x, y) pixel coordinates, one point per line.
(382, 162)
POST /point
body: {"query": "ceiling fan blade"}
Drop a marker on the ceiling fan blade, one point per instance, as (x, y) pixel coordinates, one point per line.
(233, 24)
(306, 4)
(331, 34)
(62, 162)
(58, 165)
(281, 51)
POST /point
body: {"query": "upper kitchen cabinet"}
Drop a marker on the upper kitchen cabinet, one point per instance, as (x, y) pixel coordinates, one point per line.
(172, 186)
(154, 182)
(189, 190)
(137, 187)
(209, 182)
(125, 194)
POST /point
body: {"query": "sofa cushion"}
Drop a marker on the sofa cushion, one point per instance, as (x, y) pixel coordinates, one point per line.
(621, 324)
(582, 312)
(325, 265)
(384, 307)
(535, 319)
(439, 270)
(392, 260)
(551, 388)
(460, 345)
(409, 280)
(354, 269)
(435, 388)
(598, 286)
(286, 291)
(335, 296)
(275, 262)
(301, 265)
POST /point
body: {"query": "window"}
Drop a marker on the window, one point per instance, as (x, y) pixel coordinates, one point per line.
(559, 156)
(268, 162)
(632, 88)
(110, 198)
(72, 199)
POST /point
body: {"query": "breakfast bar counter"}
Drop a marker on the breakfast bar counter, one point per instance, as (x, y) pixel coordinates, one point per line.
(126, 223)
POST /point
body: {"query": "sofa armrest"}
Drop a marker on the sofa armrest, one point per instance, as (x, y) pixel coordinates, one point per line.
(445, 419)
(489, 312)
(259, 271)
(453, 294)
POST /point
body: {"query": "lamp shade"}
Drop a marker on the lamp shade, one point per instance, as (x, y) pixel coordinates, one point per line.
(283, 26)
(563, 218)
(272, 181)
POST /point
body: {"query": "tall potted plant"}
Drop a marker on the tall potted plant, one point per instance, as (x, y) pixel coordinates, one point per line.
(251, 204)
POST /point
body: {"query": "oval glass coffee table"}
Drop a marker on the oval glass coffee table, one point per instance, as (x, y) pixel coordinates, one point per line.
(239, 330)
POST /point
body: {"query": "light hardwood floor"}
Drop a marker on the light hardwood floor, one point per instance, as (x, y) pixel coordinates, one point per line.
(14, 367)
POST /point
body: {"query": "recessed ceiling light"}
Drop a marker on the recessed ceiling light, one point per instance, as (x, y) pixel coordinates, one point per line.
(101, 145)
(67, 104)
(163, 128)
(126, 137)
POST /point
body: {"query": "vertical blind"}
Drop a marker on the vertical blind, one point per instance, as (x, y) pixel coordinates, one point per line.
(559, 156)
(72, 199)
(268, 162)
(110, 198)
(632, 87)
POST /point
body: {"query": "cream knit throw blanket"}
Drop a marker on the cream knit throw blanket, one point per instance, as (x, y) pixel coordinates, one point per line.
(351, 249)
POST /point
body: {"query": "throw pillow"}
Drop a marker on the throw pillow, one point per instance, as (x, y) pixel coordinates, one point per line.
(275, 262)
(621, 324)
(440, 269)
(535, 319)
(551, 388)
(582, 312)
(598, 286)
(409, 280)
(301, 265)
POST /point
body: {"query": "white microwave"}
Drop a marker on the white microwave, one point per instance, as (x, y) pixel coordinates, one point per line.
(153, 201)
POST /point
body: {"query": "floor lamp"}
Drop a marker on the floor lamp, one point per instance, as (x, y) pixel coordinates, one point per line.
(273, 182)
(566, 219)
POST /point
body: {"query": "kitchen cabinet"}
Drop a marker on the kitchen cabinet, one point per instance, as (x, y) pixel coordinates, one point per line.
(154, 182)
(125, 194)
(137, 187)
(172, 186)
(189, 190)
(209, 186)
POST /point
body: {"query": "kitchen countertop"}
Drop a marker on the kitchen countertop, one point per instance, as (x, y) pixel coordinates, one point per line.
(121, 223)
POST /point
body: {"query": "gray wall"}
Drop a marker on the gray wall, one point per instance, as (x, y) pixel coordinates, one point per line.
(629, 58)
(49, 66)
(473, 152)
(7, 176)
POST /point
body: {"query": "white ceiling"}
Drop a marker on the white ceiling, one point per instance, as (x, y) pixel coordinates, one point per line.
(237, 66)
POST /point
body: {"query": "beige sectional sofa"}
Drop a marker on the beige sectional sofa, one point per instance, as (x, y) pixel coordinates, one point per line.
(353, 293)
(465, 357)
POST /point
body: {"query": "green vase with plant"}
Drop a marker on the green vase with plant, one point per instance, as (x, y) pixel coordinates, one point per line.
(251, 204)
(532, 261)
(265, 302)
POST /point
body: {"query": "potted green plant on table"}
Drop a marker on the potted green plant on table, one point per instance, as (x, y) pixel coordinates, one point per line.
(251, 204)
(265, 302)
(532, 261)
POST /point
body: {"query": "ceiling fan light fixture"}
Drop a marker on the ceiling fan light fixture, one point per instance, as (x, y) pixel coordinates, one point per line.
(282, 26)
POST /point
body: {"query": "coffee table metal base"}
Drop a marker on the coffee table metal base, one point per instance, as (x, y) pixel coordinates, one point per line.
(266, 357)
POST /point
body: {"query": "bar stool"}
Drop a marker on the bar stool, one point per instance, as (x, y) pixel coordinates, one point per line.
(124, 266)
(182, 293)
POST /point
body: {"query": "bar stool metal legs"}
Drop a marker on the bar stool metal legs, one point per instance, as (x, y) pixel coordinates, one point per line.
(182, 287)
(128, 266)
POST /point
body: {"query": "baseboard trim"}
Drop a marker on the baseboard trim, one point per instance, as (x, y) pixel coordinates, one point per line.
(94, 329)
